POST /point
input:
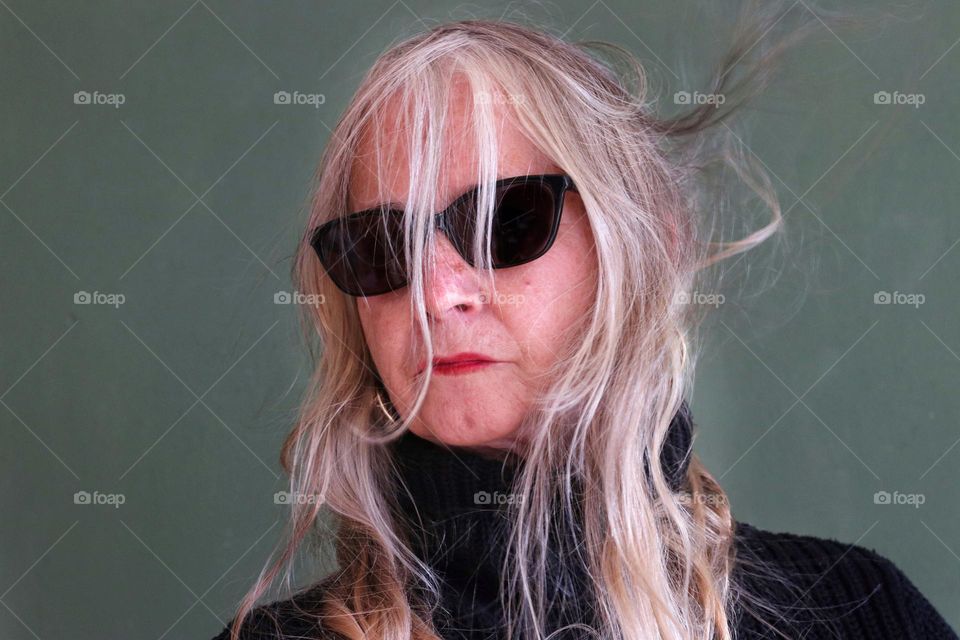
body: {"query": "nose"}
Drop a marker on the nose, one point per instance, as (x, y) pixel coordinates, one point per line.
(451, 286)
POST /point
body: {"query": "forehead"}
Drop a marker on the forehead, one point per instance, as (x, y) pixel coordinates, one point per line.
(374, 182)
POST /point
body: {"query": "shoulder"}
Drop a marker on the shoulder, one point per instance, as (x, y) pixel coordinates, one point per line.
(833, 588)
(296, 617)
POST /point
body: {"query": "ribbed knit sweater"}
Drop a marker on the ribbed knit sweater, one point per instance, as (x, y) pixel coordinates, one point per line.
(452, 504)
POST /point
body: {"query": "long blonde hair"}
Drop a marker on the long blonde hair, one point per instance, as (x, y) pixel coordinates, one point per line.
(660, 562)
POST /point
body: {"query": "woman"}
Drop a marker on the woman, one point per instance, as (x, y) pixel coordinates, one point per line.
(504, 235)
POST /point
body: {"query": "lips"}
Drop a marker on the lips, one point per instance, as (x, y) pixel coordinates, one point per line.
(458, 363)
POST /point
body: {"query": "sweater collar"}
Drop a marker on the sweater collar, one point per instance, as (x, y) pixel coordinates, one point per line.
(451, 503)
(443, 481)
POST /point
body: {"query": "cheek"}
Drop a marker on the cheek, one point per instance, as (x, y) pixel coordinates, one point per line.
(382, 331)
(557, 291)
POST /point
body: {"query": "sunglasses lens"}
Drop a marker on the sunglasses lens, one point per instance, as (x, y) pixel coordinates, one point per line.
(523, 226)
(364, 254)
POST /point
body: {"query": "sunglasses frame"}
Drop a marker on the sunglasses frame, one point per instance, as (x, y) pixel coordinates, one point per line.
(559, 184)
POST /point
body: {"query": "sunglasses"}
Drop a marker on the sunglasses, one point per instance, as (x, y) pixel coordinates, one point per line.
(363, 252)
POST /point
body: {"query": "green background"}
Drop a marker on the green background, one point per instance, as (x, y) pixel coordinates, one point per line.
(188, 200)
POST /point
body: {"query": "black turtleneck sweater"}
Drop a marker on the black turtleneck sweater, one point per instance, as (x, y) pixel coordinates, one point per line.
(452, 507)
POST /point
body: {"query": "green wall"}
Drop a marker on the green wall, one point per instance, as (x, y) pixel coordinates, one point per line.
(182, 206)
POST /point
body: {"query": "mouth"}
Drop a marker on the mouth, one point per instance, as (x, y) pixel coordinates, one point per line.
(459, 364)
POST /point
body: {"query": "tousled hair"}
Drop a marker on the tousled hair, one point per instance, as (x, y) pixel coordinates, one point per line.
(660, 562)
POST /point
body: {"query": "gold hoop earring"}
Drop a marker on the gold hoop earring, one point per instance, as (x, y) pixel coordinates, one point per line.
(384, 408)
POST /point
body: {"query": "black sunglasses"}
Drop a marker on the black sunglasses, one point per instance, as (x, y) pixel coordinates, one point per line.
(363, 252)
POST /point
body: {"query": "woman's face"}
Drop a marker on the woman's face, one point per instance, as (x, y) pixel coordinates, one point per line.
(522, 330)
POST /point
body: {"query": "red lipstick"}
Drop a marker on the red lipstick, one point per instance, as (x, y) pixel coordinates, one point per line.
(459, 363)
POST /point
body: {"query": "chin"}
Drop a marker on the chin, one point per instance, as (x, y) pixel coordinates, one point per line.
(465, 431)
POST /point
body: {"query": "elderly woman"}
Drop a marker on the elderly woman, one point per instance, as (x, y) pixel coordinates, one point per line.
(504, 242)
